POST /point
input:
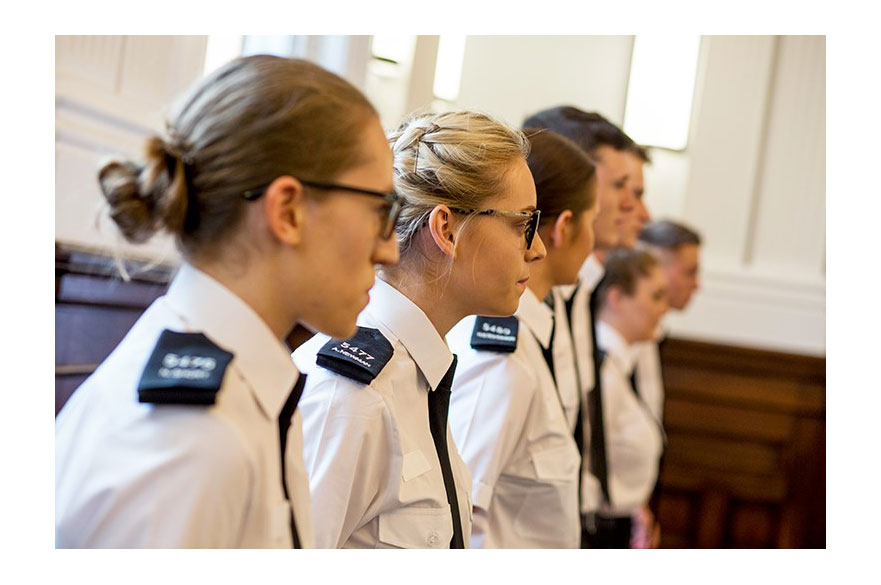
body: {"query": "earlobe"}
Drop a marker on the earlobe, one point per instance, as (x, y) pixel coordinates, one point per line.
(284, 209)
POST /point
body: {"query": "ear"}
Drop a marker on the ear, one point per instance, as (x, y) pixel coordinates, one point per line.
(284, 209)
(441, 228)
(562, 229)
(614, 296)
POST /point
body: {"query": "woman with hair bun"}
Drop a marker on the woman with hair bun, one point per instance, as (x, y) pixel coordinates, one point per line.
(276, 181)
(383, 469)
(509, 416)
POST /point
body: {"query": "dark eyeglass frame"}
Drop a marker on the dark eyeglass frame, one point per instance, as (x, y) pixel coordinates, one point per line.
(531, 228)
(395, 202)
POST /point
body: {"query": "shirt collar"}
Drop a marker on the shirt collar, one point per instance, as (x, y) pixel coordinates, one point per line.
(206, 305)
(537, 316)
(591, 272)
(413, 329)
(610, 341)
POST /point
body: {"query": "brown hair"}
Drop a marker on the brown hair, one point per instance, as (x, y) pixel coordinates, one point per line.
(623, 268)
(252, 120)
(454, 158)
(668, 235)
(589, 130)
(564, 176)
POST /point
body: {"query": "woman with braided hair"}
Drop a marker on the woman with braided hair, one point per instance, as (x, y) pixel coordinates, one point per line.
(276, 181)
(383, 469)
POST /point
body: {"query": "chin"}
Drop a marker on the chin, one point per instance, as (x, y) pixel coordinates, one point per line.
(336, 328)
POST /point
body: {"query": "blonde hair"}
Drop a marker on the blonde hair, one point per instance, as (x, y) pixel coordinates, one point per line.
(457, 159)
(254, 119)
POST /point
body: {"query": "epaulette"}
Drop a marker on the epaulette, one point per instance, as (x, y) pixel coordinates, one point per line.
(359, 358)
(495, 334)
(185, 368)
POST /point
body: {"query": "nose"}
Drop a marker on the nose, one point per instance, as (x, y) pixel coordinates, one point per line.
(386, 252)
(643, 212)
(537, 250)
(627, 201)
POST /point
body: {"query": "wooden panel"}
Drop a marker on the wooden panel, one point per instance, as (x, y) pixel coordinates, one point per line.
(721, 454)
(94, 309)
(745, 460)
(753, 526)
(726, 421)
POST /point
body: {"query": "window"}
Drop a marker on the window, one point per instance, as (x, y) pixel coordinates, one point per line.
(661, 88)
(448, 71)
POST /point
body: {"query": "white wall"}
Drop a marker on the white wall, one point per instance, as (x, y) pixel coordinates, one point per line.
(110, 93)
(514, 76)
(756, 190)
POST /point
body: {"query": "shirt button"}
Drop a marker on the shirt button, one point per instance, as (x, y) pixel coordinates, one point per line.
(433, 539)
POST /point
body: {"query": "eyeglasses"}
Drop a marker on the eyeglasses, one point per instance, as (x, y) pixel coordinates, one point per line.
(394, 202)
(531, 225)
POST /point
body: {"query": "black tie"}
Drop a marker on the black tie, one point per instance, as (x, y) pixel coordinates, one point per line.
(438, 408)
(284, 423)
(595, 408)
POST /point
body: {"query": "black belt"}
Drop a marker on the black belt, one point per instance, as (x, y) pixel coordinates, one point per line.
(605, 531)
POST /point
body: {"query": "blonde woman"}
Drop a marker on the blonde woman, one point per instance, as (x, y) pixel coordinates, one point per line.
(508, 414)
(276, 180)
(384, 471)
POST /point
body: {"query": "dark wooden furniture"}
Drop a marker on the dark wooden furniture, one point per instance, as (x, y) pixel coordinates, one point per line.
(745, 464)
(94, 309)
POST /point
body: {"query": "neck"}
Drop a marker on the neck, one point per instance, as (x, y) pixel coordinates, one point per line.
(613, 321)
(601, 254)
(249, 281)
(540, 279)
(429, 297)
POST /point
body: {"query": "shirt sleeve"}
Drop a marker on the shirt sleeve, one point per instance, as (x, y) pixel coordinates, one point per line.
(491, 400)
(347, 450)
(194, 494)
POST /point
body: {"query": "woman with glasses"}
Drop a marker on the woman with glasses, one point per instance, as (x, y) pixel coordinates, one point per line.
(275, 179)
(383, 469)
(507, 413)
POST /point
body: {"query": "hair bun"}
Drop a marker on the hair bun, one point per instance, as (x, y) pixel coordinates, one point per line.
(144, 199)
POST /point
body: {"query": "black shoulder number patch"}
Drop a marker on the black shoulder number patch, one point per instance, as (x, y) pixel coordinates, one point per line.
(185, 368)
(495, 334)
(359, 358)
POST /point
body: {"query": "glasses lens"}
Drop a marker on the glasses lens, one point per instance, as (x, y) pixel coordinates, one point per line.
(391, 219)
(531, 228)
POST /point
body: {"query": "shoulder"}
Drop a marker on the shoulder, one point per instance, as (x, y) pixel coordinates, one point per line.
(506, 373)
(359, 358)
(183, 368)
(495, 334)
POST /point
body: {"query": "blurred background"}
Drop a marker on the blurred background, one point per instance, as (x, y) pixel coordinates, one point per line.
(737, 130)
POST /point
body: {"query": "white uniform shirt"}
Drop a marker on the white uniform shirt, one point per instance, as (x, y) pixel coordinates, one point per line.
(649, 380)
(633, 436)
(511, 430)
(374, 473)
(142, 475)
(589, 277)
